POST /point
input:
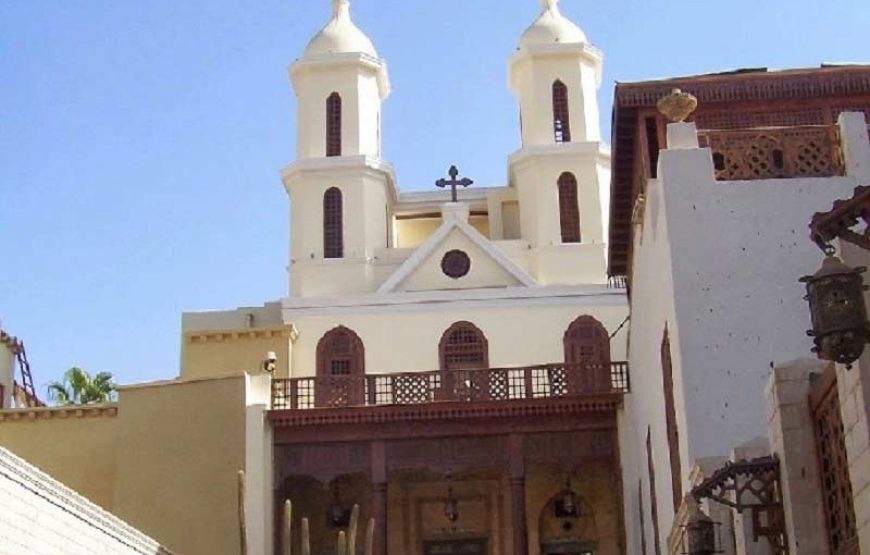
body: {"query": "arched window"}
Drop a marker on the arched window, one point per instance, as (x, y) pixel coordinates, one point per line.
(587, 359)
(561, 123)
(671, 421)
(463, 346)
(340, 369)
(333, 125)
(569, 209)
(333, 223)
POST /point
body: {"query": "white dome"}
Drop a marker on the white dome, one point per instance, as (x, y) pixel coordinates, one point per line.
(340, 35)
(552, 28)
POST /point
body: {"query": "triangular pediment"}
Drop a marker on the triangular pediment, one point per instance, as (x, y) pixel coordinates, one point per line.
(444, 252)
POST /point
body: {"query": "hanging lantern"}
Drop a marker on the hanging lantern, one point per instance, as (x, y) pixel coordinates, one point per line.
(700, 532)
(837, 310)
(338, 515)
(451, 506)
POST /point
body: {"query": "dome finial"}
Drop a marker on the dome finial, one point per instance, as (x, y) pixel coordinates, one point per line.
(340, 7)
(550, 5)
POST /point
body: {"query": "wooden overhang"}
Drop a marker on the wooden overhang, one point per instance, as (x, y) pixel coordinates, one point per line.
(744, 98)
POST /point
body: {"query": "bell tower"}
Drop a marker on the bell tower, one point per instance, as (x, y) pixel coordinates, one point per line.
(340, 188)
(561, 171)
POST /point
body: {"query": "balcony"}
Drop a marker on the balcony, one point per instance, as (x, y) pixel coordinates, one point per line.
(527, 383)
(775, 152)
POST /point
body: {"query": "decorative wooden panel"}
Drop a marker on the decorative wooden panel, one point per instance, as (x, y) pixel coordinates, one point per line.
(569, 208)
(586, 343)
(333, 125)
(463, 346)
(809, 151)
(561, 119)
(671, 420)
(340, 364)
(834, 466)
(333, 224)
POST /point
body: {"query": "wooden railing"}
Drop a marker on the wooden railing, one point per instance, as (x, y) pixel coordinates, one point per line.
(775, 152)
(466, 386)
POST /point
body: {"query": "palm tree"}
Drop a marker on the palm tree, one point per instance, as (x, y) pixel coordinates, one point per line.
(79, 388)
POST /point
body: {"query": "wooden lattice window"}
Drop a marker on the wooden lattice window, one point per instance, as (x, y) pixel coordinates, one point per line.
(340, 352)
(561, 123)
(671, 420)
(333, 125)
(653, 503)
(333, 224)
(569, 208)
(586, 342)
(834, 465)
(463, 346)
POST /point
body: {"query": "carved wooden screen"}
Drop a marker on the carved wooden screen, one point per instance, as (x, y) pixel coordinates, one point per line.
(671, 420)
(333, 125)
(586, 344)
(340, 368)
(463, 346)
(833, 465)
(569, 211)
(652, 492)
(333, 224)
(561, 124)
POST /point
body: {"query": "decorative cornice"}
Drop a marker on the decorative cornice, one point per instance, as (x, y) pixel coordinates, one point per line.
(445, 411)
(53, 413)
(225, 336)
(51, 491)
(10, 341)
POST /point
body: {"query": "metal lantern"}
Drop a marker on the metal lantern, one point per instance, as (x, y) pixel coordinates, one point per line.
(700, 532)
(837, 310)
(451, 506)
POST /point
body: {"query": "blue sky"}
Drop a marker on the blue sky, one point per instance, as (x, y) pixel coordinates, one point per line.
(141, 142)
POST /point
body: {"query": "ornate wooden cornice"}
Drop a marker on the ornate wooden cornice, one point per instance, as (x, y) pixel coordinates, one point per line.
(841, 218)
(50, 413)
(223, 336)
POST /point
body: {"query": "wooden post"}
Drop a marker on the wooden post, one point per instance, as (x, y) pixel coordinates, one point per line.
(517, 475)
(379, 496)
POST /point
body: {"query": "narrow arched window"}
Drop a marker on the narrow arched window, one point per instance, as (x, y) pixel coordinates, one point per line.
(333, 125)
(561, 123)
(340, 369)
(587, 359)
(569, 208)
(463, 346)
(333, 234)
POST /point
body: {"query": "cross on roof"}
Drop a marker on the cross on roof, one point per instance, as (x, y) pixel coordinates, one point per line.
(453, 183)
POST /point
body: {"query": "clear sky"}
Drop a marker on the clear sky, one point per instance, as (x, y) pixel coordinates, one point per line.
(141, 142)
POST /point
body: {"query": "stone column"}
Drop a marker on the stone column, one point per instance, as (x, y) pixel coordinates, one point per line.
(790, 429)
(379, 496)
(517, 476)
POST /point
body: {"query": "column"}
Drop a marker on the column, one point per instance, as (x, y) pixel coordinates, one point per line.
(517, 477)
(379, 496)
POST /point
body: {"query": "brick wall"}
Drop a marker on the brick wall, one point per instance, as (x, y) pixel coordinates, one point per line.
(39, 515)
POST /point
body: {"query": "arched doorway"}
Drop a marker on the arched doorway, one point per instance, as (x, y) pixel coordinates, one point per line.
(340, 369)
(587, 356)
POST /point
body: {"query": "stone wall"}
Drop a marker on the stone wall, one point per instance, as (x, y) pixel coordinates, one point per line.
(41, 516)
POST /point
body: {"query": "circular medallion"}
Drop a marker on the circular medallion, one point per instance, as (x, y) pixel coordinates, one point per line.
(455, 264)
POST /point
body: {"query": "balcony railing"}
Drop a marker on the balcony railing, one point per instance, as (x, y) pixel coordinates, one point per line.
(775, 152)
(463, 386)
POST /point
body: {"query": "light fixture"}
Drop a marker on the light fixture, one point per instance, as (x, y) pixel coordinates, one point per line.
(451, 504)
(270, 362)
(567, 505)
(338, 515)
(837, 310)
(699, 536)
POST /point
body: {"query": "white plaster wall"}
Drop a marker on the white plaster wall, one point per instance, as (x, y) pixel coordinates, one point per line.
(40, 516)
(405, 337)
(718, 263)
(7, 374)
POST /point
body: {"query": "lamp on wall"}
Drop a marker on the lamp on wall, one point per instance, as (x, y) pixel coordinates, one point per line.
(699, 532)
(338, 515)
(837, 310)
(568, 506)
(451, 504)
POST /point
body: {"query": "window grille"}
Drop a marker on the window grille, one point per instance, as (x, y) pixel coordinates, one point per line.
(833, 465)
(561, 123)
(333, 223)
(569, 208)
(333, 125)
(463, 346)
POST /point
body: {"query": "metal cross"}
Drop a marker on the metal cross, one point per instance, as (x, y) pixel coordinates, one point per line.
(453, 183)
